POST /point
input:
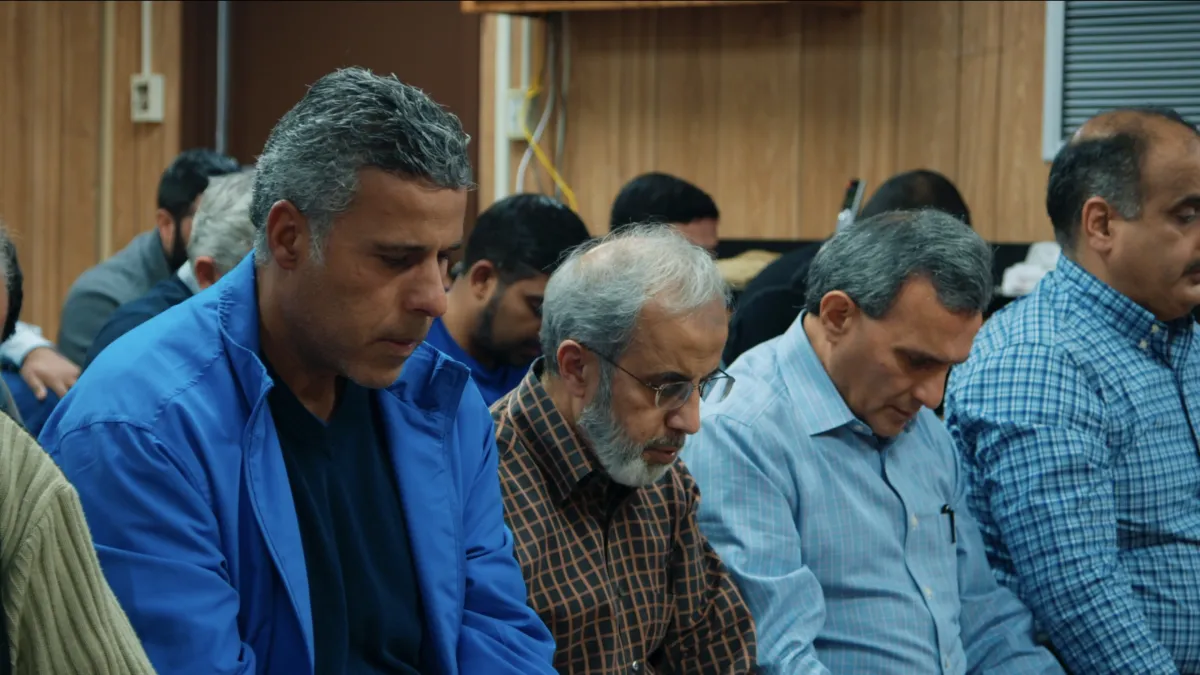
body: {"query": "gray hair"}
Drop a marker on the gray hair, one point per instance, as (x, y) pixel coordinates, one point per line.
(871, 259)
(222, 229)
(349, 120)
(598, 293)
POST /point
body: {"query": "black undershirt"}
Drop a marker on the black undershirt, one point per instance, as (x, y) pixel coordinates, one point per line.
(366, 606)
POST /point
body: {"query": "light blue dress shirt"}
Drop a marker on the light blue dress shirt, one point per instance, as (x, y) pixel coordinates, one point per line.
(840, 541)
(1078, 416)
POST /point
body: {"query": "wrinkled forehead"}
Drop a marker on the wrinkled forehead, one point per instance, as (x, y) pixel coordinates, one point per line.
(919, 323)
(689, 344)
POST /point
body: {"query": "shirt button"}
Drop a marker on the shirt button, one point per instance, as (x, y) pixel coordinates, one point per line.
(913, 521)
(1154, 330)
(946, 662)
(928, 592)
(1143, 344)
(636, 667)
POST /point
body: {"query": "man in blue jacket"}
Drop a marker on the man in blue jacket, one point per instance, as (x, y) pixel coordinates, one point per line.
(269, 491)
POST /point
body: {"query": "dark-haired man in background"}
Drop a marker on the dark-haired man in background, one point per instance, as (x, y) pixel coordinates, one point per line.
(1078, 411)
(773, 299)
(150, 258)
(663, 198)
(494, 307)
(222, 235)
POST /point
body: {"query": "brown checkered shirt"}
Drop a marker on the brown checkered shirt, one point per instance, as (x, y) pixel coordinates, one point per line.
(623, 578)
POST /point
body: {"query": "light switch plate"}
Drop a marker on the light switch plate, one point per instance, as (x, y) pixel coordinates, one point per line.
(146, 97)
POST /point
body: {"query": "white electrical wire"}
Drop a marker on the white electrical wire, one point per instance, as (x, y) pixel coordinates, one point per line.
(545, 119)
(147, 41)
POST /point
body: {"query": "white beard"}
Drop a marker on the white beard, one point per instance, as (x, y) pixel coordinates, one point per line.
(619, 455)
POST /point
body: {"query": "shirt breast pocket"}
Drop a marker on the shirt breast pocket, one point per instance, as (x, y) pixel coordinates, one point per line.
(933, 552)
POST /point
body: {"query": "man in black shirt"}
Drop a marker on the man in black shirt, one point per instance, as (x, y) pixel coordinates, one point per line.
(367, 607)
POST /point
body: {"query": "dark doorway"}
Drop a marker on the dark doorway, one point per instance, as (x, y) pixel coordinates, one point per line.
(279, 48)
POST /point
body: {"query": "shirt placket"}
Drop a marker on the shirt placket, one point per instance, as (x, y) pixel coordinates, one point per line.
(616, 581)
(914, 571)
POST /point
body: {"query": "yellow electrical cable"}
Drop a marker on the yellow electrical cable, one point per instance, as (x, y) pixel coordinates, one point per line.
(535, 88)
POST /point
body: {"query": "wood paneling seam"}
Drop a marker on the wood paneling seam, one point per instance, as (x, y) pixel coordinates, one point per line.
(108, 80)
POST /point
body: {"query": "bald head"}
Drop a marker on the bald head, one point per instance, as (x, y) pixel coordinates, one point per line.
(1105, 158)
(1145, 122)
(1124, 197)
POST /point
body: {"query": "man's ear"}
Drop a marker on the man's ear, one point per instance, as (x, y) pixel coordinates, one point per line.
(573, 367)
(1095, 225)
(483, 278)
(838, 313)
(205, 271)
(288, 236)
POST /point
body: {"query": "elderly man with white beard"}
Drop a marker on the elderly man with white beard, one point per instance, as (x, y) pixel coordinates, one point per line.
(603, 515)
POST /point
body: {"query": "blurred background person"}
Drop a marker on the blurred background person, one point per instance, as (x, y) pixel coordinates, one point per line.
(494, 307)
(222, 235)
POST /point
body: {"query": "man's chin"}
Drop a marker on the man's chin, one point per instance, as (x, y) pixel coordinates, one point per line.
(377, 376)
(638, 473)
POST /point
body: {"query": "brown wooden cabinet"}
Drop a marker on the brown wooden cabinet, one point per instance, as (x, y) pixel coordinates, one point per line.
(538, 6)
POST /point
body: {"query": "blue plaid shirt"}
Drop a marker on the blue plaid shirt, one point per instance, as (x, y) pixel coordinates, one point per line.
(1078, 416)
(839, 541)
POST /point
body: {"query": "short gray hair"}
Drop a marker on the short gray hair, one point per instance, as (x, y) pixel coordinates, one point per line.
(598, 293)
(349, 120)
(870, 260)
(222, 229)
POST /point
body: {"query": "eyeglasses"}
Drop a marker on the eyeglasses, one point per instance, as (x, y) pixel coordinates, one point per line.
(674, 395)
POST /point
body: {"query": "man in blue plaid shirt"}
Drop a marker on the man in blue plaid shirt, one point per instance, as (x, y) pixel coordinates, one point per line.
(1078, 412)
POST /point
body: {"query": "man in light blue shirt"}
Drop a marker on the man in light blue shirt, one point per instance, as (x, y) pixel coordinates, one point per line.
(832, 491)
(1078, 413)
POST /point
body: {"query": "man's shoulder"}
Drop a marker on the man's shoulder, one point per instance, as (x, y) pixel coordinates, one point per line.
(161, 297)
(115, 276)
(758, 388)
(1047, 317)
(100, 280)
(158, 369)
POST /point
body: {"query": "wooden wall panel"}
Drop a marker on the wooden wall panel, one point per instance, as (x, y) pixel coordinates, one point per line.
(757, 132)
(771, 108)
(594, 164)
(879, 94)
(52, 140)
(927, 114)
(1021, 175)
(829, 120)
(978, 112)
(689, 100)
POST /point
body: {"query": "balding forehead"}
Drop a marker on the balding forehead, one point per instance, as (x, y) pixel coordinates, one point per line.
(602, 253)
(1134, 122)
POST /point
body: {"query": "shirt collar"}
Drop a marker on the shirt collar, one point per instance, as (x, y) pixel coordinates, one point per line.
(554, 444)
(188, 276)
(805, 377)
(1127, 318)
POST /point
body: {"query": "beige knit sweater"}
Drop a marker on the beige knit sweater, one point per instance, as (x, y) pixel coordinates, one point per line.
(61, 616)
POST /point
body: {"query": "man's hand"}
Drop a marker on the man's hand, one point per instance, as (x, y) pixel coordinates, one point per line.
(45, 367)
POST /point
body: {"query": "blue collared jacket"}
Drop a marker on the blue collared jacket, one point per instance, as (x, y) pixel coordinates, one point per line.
(169, 441)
